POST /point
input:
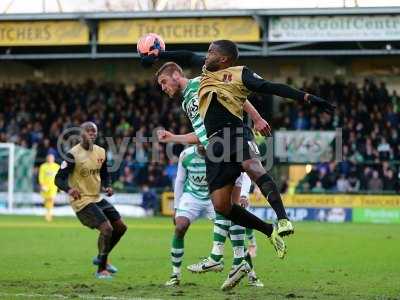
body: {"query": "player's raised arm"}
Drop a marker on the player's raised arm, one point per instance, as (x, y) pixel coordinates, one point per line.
(165, 136)
(255, 83)
(182, 57)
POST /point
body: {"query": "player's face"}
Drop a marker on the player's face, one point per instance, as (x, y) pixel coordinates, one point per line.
(214, 59)
(50, 158)
(169, 85)
(89, 134)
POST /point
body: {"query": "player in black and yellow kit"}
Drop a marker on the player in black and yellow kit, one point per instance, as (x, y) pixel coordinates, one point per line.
(82, 175)
(223, 90)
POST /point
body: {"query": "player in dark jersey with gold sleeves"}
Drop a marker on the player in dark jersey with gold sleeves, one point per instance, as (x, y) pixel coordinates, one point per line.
(223, 91)
(82, 175)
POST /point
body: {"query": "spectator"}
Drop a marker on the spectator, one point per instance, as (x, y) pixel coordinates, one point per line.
(384, 150)
(389, 181)
(354, 183)
(149, 200)
(342, 184)
(318, 188)
(375, 184)
(301, 121)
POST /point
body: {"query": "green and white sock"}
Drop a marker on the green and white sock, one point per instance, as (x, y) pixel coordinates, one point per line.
(251, 237)
(237, 235)
(221, 231)
(177, 254)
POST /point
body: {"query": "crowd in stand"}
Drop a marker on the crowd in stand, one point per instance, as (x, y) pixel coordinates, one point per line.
(370, 120)
(34, 115)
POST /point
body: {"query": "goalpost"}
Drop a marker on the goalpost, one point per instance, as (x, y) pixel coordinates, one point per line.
(7, 155)
(16, 173)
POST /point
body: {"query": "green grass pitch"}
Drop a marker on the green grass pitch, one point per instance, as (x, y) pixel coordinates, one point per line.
(325, 261)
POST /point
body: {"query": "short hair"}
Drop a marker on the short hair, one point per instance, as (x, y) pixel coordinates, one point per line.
(87, 125)
(169, 68)
(228, 48)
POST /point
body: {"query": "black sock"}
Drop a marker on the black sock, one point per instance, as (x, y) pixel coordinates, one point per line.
(248, 259)
(270, 191)
(242, 217)
(104, 248)
(102, 262)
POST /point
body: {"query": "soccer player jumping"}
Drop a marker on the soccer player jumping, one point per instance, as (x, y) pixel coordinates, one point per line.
(82, 175)
(223, 90)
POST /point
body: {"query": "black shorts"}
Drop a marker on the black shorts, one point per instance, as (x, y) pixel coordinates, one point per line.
(226, 151)
(94, 214)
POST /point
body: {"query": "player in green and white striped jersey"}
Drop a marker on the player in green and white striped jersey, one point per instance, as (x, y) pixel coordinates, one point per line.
(191, 201)
(190, 106)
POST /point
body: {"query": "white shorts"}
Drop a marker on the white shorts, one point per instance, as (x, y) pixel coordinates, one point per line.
(192, 208)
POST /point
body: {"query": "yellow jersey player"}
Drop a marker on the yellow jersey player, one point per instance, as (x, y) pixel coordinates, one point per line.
(82, 175)
(48, 189)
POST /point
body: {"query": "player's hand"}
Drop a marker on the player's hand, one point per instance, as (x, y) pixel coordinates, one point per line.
(74, 193)
(262, 127)
(164, 136)
(244, 201)
(257, 193)
(109, 191)
(155, 52)
(321, 103)
(44, 188)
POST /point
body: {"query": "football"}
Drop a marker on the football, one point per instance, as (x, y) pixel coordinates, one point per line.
(150, 42)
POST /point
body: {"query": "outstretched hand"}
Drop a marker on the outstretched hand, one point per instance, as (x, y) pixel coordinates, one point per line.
(262, 127)
(321, 103)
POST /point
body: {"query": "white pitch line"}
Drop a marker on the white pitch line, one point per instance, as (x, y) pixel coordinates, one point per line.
(58, 296)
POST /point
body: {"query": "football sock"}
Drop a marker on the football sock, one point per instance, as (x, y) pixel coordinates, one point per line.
(270, 191)
(248, 258)
(237, 235)
(177, 254)
(221, 230)
(242, 217)
(102, 262)
(104, 248)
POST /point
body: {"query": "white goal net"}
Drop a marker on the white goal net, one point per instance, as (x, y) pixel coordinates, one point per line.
(16, 175)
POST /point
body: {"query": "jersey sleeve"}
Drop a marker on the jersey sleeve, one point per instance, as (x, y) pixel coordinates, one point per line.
(201, 134)
(255, 83)
(184, 57)
(67, 167)
(246, 185)
(179, 181)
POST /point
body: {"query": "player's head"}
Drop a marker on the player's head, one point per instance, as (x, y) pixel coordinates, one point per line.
(169, 78)
(50, 158)
(221, 54)
(88, 132)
